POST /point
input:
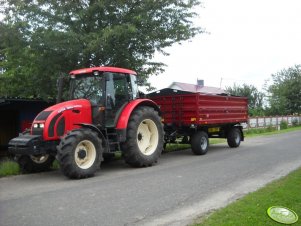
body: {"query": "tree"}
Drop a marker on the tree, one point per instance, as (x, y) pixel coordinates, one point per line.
(44, 38)
(285, 92)
(255, 97)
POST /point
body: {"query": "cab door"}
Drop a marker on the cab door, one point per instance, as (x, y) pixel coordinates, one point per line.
(117, 96)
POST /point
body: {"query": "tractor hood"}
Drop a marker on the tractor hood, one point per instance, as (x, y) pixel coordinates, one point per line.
(57, 120)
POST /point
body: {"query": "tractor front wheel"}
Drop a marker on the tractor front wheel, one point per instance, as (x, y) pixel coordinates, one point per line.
(79, 153)
(144, 138)
(35, 163)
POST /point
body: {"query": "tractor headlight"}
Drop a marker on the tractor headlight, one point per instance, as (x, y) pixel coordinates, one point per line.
(38, 125)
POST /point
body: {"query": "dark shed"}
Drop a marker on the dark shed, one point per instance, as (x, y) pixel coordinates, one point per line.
(17, 114)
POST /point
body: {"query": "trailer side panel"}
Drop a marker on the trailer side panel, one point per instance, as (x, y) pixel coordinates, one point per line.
(185, 109)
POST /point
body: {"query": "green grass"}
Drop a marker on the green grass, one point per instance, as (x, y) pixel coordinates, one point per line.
(55, 165)
(216, 140)
(178, 146)
(9, 167)
(251, 209)
(269, 131)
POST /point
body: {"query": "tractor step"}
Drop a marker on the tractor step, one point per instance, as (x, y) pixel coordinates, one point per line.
(112, 136)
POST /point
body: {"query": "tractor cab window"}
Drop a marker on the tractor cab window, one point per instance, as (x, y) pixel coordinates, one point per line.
(117, 90)
(134, 86)
(88, 87)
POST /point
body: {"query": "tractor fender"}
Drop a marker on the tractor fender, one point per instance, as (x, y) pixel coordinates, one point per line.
(128, 109)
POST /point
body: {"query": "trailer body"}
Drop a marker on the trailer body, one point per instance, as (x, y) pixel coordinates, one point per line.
(182, 108)
(185, 114)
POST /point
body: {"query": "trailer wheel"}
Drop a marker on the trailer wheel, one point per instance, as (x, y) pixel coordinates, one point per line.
(79, 153)
(35, 163)
(199, 143)
(234, 137)
(144, 138)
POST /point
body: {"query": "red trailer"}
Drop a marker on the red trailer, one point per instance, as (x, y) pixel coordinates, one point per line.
(195, 117)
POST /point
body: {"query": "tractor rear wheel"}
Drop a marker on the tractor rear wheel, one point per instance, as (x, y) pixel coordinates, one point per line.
(80, 153)
(35, 163)
(144, 142)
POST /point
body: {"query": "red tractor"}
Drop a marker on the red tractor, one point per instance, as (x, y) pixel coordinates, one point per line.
(104, 114)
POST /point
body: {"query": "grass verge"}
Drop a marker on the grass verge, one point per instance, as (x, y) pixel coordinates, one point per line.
(269, 131)
(252, 209)
(8, 167)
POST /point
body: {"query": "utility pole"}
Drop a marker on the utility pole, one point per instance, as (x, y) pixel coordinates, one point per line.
(220, 84)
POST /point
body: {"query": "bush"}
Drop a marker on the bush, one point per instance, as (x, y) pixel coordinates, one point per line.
(283, 125)
(295, 122)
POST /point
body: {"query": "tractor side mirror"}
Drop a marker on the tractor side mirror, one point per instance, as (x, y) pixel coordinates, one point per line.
(61, 88)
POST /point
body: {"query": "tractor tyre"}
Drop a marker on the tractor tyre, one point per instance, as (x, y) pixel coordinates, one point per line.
(234, 137)
(35, 163)
(80, 153)
(144, 138)
(200, 143)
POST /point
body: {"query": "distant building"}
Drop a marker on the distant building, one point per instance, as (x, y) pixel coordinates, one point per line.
(199, 88)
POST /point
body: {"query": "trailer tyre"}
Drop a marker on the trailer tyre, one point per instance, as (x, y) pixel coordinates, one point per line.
(35, 163)
(144, 138)
(199, 143)
(234, 137)
(79, 153)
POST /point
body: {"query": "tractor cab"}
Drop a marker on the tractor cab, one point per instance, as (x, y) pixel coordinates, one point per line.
(108, 89)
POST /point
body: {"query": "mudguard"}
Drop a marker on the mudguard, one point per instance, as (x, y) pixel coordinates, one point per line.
(128, 109)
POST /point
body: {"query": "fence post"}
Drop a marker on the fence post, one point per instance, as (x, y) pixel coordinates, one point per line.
(277, 123)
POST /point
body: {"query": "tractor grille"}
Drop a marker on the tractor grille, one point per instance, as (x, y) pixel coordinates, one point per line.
(37, 131)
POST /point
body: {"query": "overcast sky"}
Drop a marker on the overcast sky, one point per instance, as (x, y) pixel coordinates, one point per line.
(249, 40)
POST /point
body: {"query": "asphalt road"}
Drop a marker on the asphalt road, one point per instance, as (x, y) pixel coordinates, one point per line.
(173, 192)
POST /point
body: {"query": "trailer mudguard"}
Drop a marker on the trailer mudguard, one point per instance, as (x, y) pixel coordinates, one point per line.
(128, 109)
